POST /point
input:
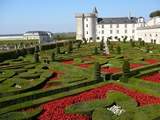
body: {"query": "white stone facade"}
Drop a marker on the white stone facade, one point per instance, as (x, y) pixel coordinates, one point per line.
(92, 28)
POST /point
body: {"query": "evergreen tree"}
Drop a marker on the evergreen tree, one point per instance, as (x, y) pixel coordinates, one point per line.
(53, 57)
(58, 50)
(95, 52)
(111, 47)
(102, 45)
(97, 71)
(36, 57)
(70, 47)
(126, 67)
(126, 71)
(37, 49)
(118, 49)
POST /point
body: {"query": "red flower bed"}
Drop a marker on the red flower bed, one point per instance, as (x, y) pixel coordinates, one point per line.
(55, 110)
(155, 77)
(84, 65)
(110, 69)
(151, 61)
(135, 65)
(68, 62)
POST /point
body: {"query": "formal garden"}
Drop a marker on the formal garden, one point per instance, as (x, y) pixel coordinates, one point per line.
(73, 80)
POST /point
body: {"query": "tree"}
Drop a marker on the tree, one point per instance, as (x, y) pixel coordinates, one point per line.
(36, 57)
(58, 50)
(155, 13)
(111, 48)
(102, 45)
(97, 71)
(95, 52)
(125, 70)
(70, 47)
(118, 49)
(125, 38)
(37, 49)
(53, 56)
(132, 43)
(126, 67)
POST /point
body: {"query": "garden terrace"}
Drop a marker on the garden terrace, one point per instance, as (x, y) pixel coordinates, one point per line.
(64, 78)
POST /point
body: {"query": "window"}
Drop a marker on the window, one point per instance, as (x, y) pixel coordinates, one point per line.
(150, 35)
(117, 25)
(133, 31)
(117, 31)
(86, 25)
(110, 25)
(110, 31)
(86, 19)
(125, 31)
(102, 26)
(87, 32)
(125, 25)
(156, 35)
(102, 31)
(145, 35)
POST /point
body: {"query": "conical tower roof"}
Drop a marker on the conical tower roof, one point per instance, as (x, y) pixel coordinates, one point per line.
(95, 10)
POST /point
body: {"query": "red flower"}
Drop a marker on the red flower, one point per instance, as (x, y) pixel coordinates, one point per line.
(135, 65)
(84, 65)
(110, 70)
(151, 61)
(55, 110)
(155, 77)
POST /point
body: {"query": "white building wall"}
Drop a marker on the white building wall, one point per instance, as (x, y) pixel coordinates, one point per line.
(79, 26)
(116, 31)
(90, 26)
(11, 37)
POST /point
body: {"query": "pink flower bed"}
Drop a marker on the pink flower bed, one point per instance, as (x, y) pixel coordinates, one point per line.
(136, 65)
(151, 61)
(155, 77)
(54, 110)
(110, 69)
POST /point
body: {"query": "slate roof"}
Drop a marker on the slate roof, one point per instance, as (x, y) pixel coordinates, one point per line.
(117, 20)
(39, 32)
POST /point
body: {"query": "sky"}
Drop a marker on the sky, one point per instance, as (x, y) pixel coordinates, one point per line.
(19, 16)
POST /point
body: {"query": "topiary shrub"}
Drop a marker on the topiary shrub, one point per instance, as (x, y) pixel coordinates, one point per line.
(102, 45)
(126, 70)
(37, 49)
(58, 50)
(27, 75)
(70, 47)
(97, 71)
(118, 49)
(95, 52)
(53, 57)
(36, 57)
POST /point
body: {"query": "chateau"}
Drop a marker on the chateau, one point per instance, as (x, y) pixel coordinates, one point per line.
(93, 28)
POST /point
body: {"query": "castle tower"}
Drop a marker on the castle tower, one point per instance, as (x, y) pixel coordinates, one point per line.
(79, 26)
(90, 26)
(86, 26)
